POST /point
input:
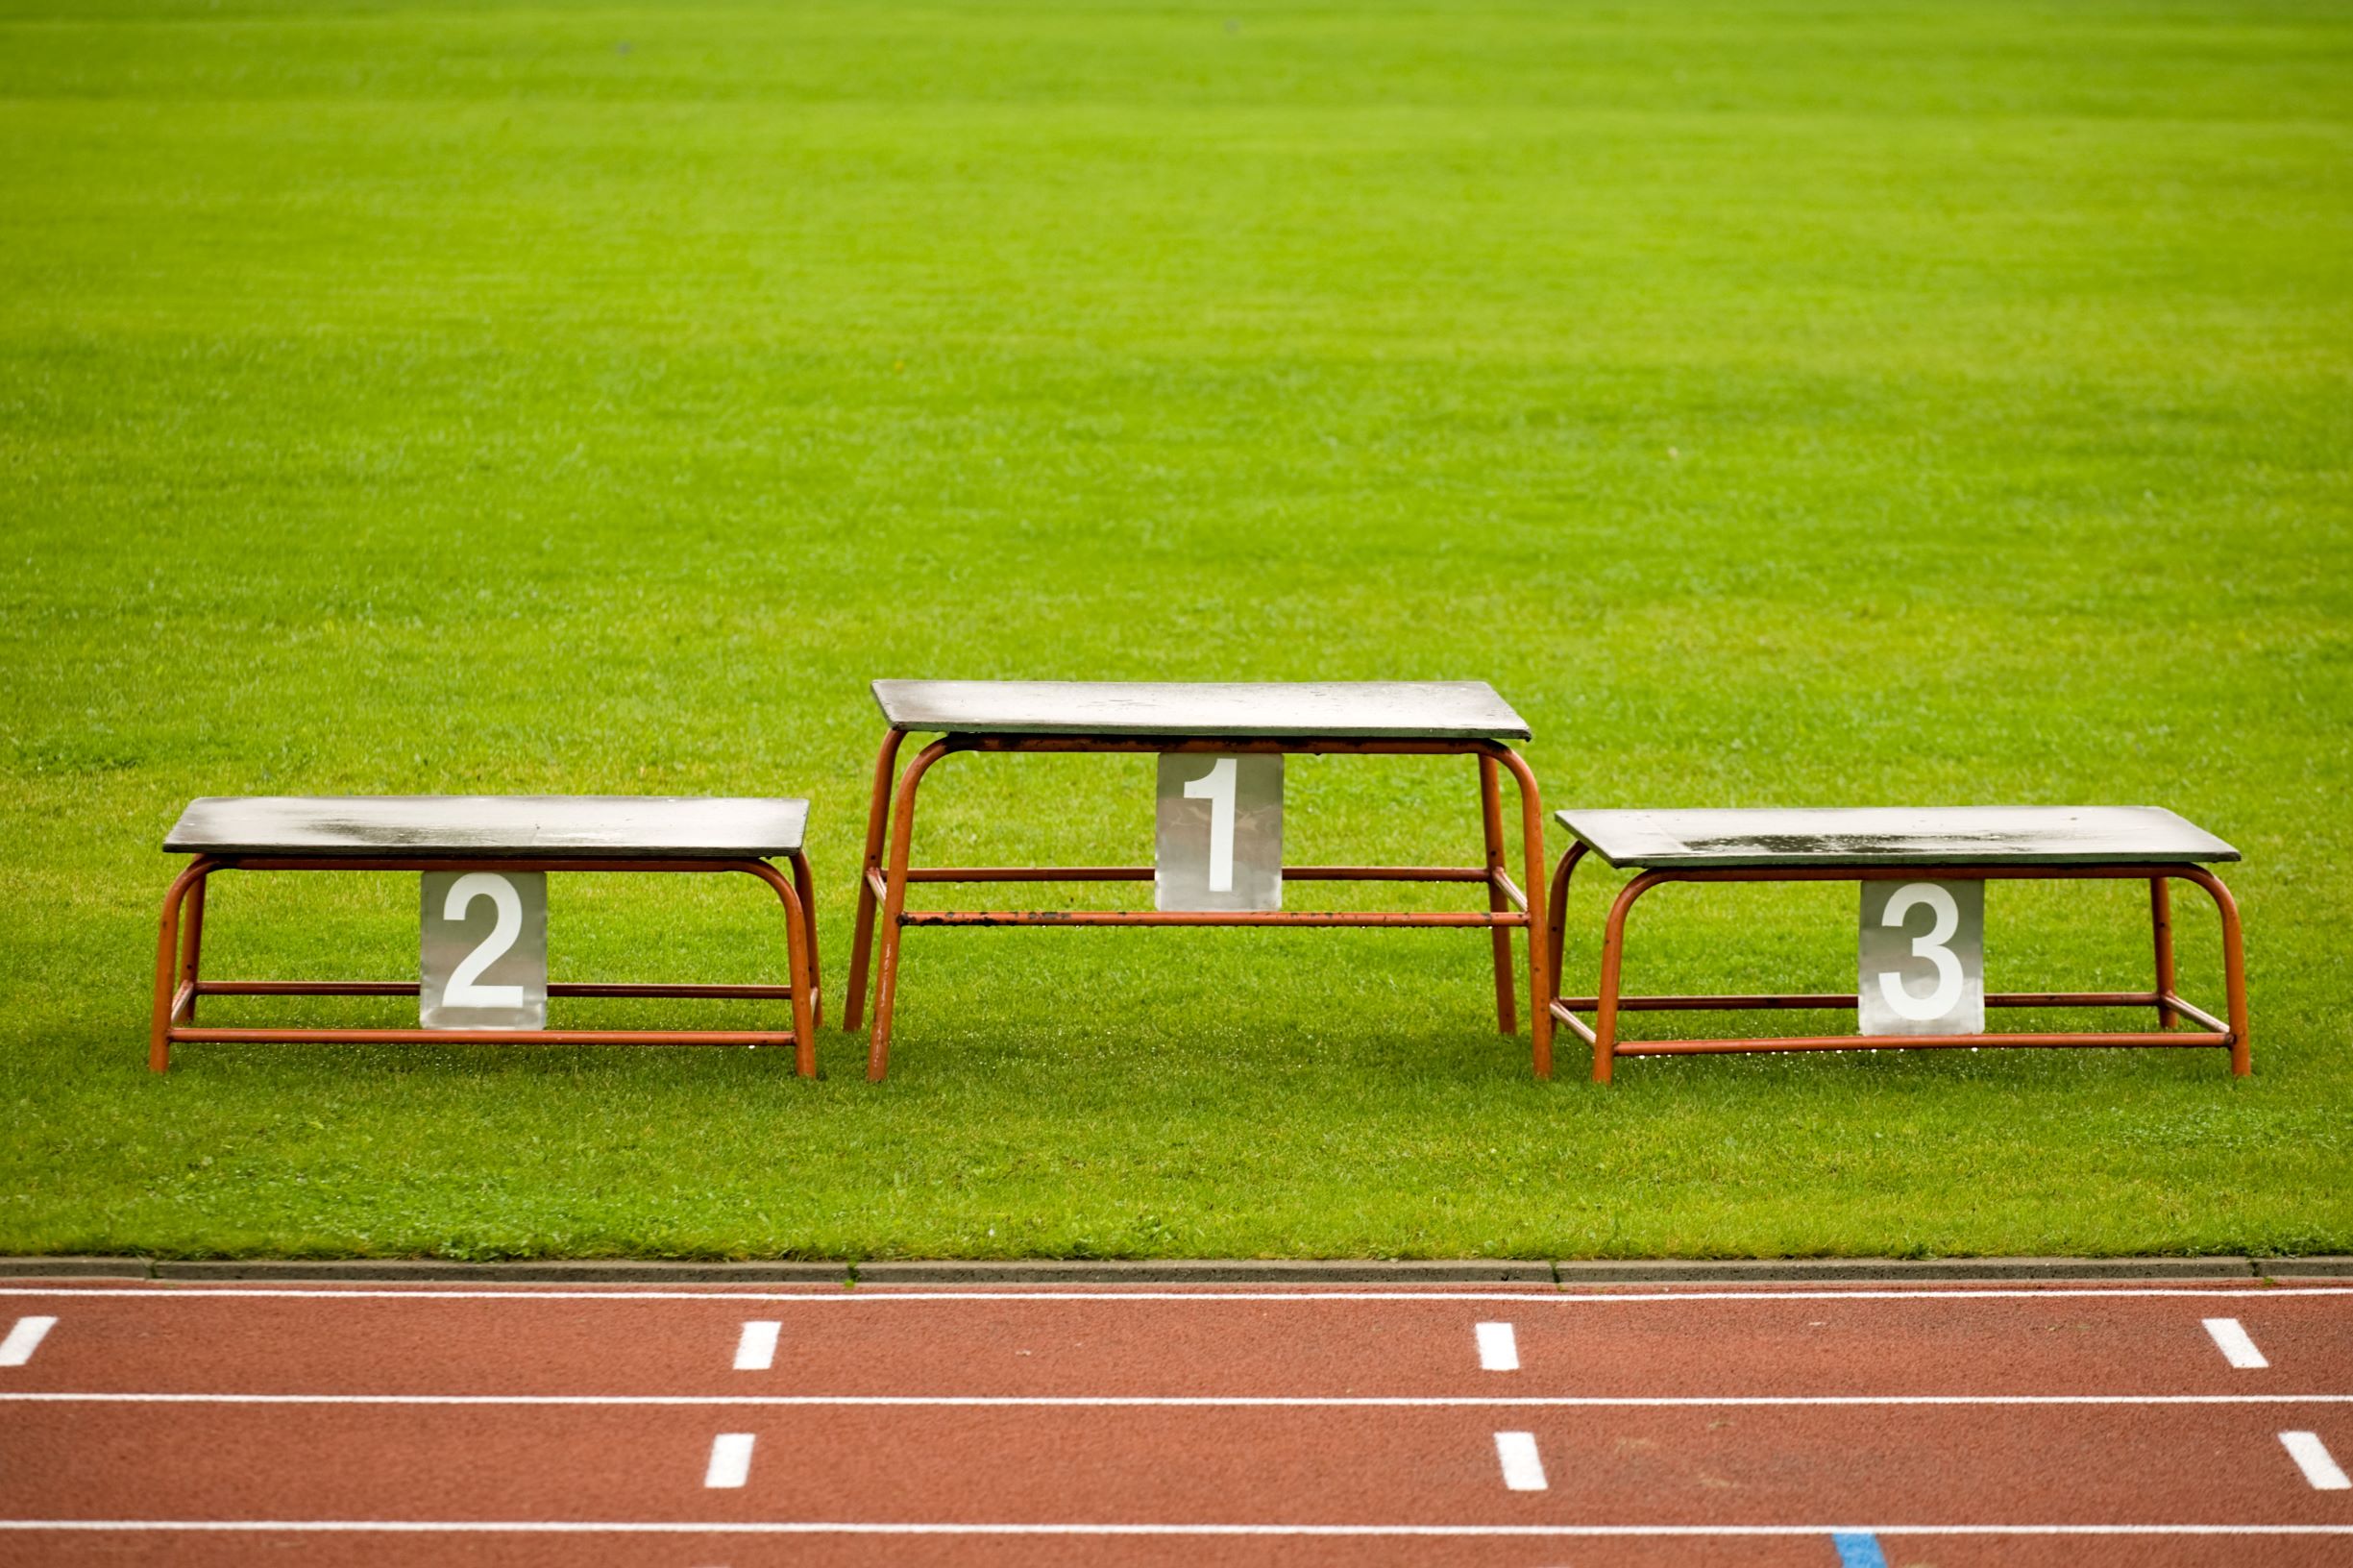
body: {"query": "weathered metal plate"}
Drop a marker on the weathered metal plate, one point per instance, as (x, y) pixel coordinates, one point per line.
(1328, 710)
(1920, 958)
(491, 826)
(1219, 844)
(1898, 836)
(483, 961)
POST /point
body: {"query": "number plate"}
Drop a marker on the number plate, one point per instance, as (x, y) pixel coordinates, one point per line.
(1923, 958)
(1221, 832)
(485, 950)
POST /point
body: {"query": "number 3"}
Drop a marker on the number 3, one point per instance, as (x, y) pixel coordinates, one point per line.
(1216, 787)
(1948, 978)
(462, 992)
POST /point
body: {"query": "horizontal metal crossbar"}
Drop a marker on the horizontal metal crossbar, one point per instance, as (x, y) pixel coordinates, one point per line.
(1022, 873)
(184, 1033)
(1208, 917)
(1516, 918)
(1567, 1008)
(444, 863)
(1310, 746)
(1848, 1000)
(1145, 874)
(556, 987)
(1889, 1042)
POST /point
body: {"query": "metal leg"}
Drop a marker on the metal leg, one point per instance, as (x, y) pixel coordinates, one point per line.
(2161, 920)
(168, 959)
(2233, 968)
(1492, 819)
(1556, 926)
(192, 939)
(800, 964)
(853, 1004)
(895, 904)
(805, 887)
(1613, 953)
(1532, 833)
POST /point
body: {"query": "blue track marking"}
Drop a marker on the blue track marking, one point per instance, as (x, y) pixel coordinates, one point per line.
(1858, 1548)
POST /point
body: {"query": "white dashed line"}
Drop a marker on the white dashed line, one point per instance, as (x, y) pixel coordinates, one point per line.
(24, 1340)
(2311, 1457)
(1499, 1348)
(756, 1351)
(730, 1460)
(2233, 1342)
(1523, 1466)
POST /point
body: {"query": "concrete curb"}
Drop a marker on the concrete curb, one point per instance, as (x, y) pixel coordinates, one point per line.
(1576, 1273)
(75, 1268)
(1860, 1271)
(551, 1271)
(2306, 1268)
(1211, 1271)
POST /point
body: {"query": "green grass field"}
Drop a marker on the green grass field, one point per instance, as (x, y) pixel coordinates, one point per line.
(1780, 405)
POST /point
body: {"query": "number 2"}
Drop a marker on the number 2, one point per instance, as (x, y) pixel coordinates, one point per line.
(462, 992)
(1948, 977)
(1216, 787)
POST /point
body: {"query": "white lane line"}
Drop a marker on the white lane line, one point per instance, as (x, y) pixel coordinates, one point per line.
(1523, 1466)
(1203, 1401)
(756, 1350)
(24, 1340)
(870, 1294)
(846, 1527)
(2311, 1457)
(1499, 1348)
(730, 1460)
(2233, 1342)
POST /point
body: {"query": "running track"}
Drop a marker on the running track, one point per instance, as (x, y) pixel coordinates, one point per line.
(1946, 1425)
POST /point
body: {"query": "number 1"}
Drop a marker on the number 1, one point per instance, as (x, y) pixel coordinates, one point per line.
(1216, 787)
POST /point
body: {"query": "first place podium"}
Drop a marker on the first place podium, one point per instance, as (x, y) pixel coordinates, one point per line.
(1240, 720)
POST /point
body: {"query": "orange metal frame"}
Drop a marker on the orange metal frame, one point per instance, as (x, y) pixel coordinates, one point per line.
(890, 831)
(180, 943)
(1606, 1006)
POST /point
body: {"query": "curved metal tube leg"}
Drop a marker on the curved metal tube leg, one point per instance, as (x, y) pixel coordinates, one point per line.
(853, 1003)
(895, 904)
(799, 948)
(805, 884)
(1491, 821)
(1614, 952)
(2161, 922)
(168, 960)
(192, 938)
(1532, 833)
(2233, 968)
(1556, 925)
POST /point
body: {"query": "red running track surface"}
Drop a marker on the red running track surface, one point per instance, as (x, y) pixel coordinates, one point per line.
(1940, 1424)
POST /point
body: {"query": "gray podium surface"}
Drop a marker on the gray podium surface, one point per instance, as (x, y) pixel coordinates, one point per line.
(491, 826)
(1350, 710)
(1896, 836)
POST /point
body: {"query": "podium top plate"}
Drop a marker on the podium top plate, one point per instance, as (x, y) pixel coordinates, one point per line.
(1339, 710)
(1898, 836)
(491, 826)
